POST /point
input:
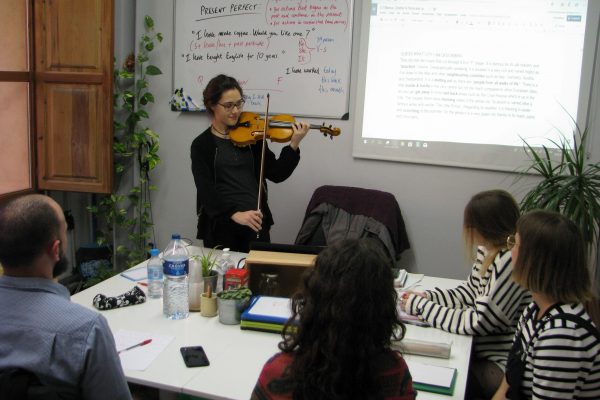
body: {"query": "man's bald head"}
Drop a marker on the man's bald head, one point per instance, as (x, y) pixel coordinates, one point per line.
(28, 225)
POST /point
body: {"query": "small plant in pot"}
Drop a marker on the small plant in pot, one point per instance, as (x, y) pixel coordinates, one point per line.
(201, 276)
(208, 262)
(231, 304)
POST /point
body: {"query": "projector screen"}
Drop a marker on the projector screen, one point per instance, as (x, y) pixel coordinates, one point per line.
(462, 82)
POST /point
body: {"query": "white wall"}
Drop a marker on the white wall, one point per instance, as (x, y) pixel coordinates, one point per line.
(431, 197)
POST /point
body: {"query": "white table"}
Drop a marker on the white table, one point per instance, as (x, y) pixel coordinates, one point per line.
(236, 356)
(460, 353)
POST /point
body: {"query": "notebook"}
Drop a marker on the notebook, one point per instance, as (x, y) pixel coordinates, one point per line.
(267, 309)
(261, 326)
(432, 378)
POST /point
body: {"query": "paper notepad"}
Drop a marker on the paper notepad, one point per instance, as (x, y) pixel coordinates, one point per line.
(140, 358)
(432, 378)
(135, 274)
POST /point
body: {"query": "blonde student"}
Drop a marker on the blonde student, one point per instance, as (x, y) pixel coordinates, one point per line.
(556, 350)
(488, 304)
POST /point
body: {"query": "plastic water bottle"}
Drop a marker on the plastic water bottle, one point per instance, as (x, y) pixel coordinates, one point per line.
(225, 264)
(225, 261)
(175, 266)
(155, 275)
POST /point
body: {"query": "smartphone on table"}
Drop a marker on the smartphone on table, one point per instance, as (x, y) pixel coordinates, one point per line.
(194, 356)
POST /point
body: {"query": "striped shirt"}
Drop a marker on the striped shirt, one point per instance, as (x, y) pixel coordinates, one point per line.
(563, 358)
(487, 305)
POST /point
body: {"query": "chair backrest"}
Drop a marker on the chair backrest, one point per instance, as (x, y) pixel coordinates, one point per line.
(376, 205)
(21, 384)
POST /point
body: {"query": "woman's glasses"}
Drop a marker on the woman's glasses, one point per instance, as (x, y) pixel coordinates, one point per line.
(511, 241)
(229, 106)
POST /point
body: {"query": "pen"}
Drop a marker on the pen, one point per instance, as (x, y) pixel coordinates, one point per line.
(416, 323)
(143, 284)
(145, 342)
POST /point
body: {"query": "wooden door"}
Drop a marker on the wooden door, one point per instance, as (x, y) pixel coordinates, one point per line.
(73, 72)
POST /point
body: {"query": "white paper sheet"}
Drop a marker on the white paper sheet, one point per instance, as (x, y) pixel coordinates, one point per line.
(413, 281)
(272, 307)
(141, 357)
(431, 374)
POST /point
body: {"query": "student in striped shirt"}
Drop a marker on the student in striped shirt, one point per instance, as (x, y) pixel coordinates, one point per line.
(488, 304)
(556, 351)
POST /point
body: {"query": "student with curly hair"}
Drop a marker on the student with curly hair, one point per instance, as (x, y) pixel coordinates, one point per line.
(556, 351)
(488, 304)
(336, 345)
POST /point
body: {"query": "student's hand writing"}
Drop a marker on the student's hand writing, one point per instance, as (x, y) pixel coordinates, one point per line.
(250, 218)
(405, 296)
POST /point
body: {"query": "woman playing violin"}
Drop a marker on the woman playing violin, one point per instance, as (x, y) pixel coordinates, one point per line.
(227, 175)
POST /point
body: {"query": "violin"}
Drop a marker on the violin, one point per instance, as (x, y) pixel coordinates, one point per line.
(251, 127)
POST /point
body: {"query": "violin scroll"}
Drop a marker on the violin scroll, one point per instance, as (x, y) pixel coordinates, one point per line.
(328, 130)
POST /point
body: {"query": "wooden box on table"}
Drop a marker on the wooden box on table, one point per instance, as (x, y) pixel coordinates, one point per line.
(289, 268)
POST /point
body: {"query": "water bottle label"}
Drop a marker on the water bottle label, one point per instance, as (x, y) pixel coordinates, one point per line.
(154, 274)
(175, 267)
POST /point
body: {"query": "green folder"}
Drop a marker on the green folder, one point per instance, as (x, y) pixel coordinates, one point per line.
(261, 326)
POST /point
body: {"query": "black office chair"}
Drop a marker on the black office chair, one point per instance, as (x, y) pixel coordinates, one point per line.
(21, 384)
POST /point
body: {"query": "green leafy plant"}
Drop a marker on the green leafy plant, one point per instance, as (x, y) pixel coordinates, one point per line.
(239, 293)
(570, 185)
(127, 212)
(104, 272)
(208, 261)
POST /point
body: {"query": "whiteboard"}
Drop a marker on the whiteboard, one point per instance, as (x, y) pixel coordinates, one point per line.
(297, 51)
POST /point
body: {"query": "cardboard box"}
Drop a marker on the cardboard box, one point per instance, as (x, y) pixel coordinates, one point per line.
(235, 278)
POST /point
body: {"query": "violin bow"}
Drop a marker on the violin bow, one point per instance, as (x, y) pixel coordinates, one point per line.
(262, 159)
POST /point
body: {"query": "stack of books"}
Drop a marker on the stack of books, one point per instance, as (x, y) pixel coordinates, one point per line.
(266, 313)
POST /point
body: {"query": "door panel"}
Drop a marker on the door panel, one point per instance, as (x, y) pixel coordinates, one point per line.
(74, 53)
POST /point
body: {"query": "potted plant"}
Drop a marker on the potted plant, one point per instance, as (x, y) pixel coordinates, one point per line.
(201, 276)
(125, 216)
(231, 303)
(208, 262)
(569, 185)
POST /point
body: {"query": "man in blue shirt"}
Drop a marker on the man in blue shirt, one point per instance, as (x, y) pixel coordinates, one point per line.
(63, 343)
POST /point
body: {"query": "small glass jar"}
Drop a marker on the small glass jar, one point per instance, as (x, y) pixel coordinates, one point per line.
(269, 284)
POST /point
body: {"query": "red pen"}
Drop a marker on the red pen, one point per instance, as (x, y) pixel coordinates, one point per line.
(143, 284)
(145, 342)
